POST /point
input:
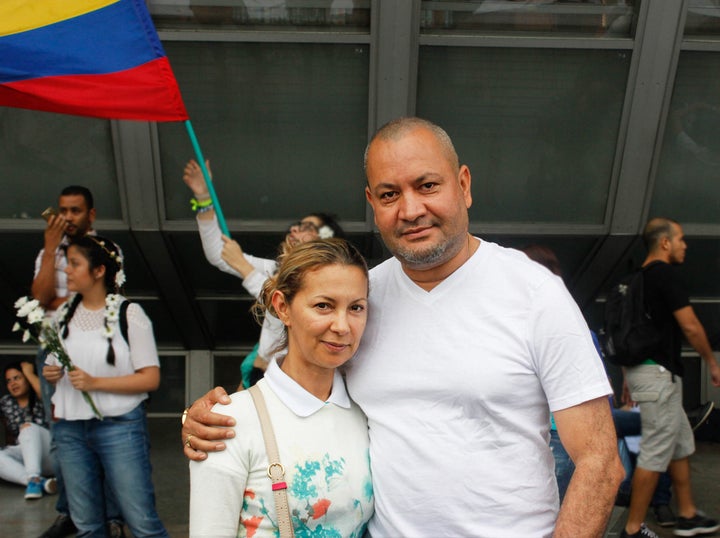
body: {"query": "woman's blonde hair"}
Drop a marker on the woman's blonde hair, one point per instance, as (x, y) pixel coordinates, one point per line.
(299, 261)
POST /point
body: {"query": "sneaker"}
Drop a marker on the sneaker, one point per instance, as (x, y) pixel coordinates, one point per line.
(664, 515)
(696, 525)
(34, 489)
(697, 417)
(63, 526)
(115, 529)
(644, 532)
(49, 486)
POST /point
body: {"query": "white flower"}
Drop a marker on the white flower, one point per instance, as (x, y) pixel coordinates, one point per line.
(16, 327)
(26, 336)
(120, 278)
(28, 307)
(112, 316)
(36, 316)
(325, 232)
(111, 300)
(109, 332)
(21, 302)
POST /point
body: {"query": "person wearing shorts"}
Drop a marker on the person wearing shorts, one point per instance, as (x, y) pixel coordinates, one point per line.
(656, 385)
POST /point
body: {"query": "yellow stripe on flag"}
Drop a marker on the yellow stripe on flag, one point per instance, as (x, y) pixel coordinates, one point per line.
(18, 16)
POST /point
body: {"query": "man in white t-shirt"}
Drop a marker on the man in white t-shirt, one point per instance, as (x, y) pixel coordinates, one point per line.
(468, 348)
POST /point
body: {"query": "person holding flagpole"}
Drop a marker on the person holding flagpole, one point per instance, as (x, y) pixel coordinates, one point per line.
(228, 256)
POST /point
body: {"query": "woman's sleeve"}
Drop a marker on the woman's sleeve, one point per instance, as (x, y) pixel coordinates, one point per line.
(143, 350)
(217, 485)
(211, 238)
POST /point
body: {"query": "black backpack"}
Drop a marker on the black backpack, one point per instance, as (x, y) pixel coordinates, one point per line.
(629, 335)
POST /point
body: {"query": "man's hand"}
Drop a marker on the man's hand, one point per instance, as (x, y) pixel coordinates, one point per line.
(201, 425)
(715, 374)
(54, 233)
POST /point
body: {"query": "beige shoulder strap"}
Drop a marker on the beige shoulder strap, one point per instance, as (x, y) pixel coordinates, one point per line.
(275, 471)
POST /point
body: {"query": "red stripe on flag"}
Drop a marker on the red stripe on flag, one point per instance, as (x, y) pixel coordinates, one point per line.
(148, 92)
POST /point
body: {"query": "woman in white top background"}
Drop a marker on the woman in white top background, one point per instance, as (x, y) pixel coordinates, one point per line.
(320, 295)
(227, 255)
(117, 374)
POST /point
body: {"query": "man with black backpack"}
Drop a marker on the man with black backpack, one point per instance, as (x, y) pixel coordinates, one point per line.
(655, 384)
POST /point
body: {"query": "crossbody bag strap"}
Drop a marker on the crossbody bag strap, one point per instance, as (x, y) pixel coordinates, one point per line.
(275, 470)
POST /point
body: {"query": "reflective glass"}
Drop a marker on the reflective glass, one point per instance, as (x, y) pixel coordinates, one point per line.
(230, 322)
(537, 127)
(226, 370)
(283, 14)
(170, 396)
(687, 187)
(284, 127)
(42, 152)
(611, 18)
(703, 19)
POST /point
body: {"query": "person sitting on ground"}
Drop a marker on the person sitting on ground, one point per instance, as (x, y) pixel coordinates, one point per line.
(26, 459)
(320, 295)
(228, 256)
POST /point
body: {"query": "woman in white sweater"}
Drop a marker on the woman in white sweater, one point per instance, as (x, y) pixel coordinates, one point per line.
(320, 296)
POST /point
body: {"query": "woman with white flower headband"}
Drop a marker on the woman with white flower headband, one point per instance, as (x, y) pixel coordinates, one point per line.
(228, 256)
(117, 374)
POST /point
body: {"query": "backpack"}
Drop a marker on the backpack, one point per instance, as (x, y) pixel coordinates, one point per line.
(630, 337)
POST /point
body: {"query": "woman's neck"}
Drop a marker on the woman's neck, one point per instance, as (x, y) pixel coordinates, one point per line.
(94, 299)
(317, 381)
(24, 400)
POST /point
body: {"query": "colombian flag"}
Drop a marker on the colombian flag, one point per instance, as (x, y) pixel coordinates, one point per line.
(99, 58)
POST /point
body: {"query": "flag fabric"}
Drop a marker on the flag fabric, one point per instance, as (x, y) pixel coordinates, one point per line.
(99, 58)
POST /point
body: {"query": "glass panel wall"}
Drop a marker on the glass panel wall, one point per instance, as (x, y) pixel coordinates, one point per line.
(42, 152)
(284, 126)
(538, 127)
(350, 15)
(687, 187)
(703, 19)
(612, 18)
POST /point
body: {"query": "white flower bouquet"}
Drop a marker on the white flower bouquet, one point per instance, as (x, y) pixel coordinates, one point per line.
(42, 330)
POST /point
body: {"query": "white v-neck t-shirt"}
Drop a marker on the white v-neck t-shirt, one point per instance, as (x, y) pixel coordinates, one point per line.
(458, 384)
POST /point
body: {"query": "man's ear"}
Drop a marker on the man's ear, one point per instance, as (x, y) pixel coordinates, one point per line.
(465, 180)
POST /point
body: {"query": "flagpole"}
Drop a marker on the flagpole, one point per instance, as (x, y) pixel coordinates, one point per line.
(206, 175)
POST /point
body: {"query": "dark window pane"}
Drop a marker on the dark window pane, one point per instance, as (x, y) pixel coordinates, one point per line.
(703, 19)
(345, 15)
(284, 126)
(613, 18)
(170, 396)
(538, 128)
(42, 152)
(687, 187)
